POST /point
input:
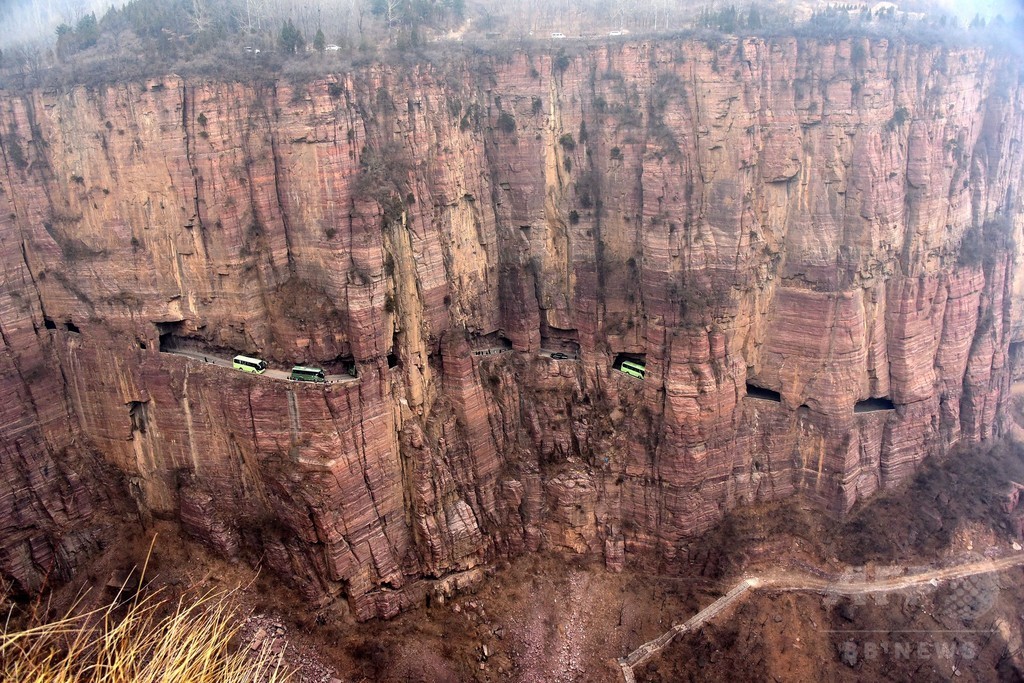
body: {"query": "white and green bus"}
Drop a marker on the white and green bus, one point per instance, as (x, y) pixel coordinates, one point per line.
(633, 369)
(247, 364)
(301, 373)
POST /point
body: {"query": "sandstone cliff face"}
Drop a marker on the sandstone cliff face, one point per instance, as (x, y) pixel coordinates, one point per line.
(829, 222)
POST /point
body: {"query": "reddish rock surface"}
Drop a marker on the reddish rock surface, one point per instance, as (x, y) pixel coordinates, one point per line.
(762, 212)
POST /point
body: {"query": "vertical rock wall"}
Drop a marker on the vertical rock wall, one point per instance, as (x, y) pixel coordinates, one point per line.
(830, 222)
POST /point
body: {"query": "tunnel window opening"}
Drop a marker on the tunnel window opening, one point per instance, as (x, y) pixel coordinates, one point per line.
(632, 364)
(49, 324)
(72, 327)
(635, 357)
(342, 365)
(169, 334)
(763, 394)
(393, 361)
(560, 340)
(874, 405)
(561, 335)
(488, 344)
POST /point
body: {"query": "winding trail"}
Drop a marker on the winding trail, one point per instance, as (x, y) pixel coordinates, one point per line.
(793, 581)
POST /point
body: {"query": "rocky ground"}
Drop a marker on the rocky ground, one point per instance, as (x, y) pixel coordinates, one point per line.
(540, 618)
(550, 617)
(967, 629)
(537, 619)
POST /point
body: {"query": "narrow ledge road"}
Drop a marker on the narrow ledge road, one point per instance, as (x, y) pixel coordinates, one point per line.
(788, 581)
(269, 372)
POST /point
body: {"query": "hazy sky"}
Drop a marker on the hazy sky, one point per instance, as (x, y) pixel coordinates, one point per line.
(968, 8)
(29, 20)
(33, 20)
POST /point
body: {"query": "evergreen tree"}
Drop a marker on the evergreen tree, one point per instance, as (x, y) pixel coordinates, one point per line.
(320, 43)
(753, 18)
(291, 39)
(87, 31)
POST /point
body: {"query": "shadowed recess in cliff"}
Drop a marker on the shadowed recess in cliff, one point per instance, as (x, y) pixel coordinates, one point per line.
(763, 394)
(170, 334)
(874, 405)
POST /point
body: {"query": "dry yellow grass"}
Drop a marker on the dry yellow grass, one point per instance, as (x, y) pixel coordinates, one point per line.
(144, 640)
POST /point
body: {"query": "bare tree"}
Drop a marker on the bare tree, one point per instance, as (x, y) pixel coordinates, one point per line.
(200, 16)
(392, 12)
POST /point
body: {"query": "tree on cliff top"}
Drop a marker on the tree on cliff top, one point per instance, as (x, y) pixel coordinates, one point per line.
(418, 12)
(85, 34)
(291, 38)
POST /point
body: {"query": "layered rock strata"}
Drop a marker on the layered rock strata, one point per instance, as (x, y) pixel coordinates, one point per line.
(822, 223)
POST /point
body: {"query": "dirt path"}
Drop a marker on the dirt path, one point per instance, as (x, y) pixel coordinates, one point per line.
(652, 647)
(791, 581)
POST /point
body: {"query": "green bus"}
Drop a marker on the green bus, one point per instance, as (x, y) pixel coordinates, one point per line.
(633, 369)
(247, 364)
(301, 373)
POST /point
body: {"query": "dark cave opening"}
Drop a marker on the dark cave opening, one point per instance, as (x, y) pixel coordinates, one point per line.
(559, 339)
(487, 344)
(633, 357)
(763, 394)
(169, 333)
(137, 414)
(344, 364)
(632, 364)
(873, 405)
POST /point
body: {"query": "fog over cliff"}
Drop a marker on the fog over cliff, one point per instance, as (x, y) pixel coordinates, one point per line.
(34, 22)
